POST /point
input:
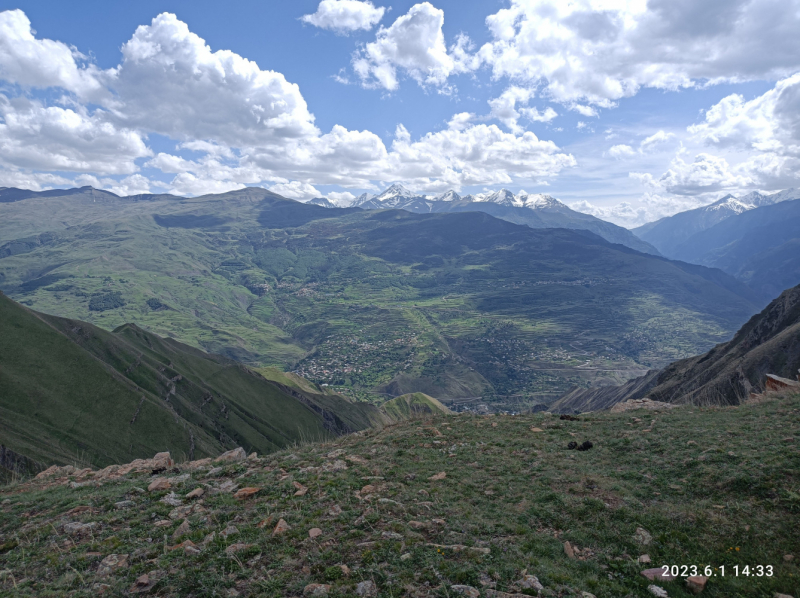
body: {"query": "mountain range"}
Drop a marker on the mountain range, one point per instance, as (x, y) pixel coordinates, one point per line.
(534, 210)
(669, 233)
(462, 306)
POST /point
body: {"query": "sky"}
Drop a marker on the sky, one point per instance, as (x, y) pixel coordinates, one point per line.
(629, 110)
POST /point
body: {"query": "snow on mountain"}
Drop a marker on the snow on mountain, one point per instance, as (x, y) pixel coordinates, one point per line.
(448, 196)
(394, 195)
(362, 199)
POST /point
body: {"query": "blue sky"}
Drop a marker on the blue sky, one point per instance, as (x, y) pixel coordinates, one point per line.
(629, 110)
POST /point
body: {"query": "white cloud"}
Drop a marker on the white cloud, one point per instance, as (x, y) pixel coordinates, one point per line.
(415, 44)
(187, 183)
(621, 151)
(30, 62)
(704, 174)
(135, 184)
(35, 136)
(344, 16)
(504, 108)
(649, 207)
(655, 139)
(587, 111)
(598, 51)
(341, 198)
(296, 190)
(170, 82)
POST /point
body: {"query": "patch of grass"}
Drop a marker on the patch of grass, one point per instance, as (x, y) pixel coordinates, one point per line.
(712, 486)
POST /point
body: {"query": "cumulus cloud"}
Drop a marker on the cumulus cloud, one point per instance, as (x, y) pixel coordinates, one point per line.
(504, 108)
(598, 51)
(35, 63)
(344, 16)
(35, 136)
(649, 207)
(235, 124)
(415, 44)
(170, 82)
(704, 174)
(341, 198)
(295, 190)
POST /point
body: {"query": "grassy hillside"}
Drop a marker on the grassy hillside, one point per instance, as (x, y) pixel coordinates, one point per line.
(73, 393)
(458, 306)
(408, 406)
(420, 507)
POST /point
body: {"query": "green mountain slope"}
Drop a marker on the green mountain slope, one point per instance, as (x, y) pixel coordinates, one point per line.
(726, 375)
(413, 405)
(459, 306)
(426, 507)
(72, 392)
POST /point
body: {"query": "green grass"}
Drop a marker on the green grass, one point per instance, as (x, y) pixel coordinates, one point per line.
(712, 486)
(71, 392)
(412, 405)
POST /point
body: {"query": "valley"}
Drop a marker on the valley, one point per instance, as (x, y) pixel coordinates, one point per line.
(463, 306)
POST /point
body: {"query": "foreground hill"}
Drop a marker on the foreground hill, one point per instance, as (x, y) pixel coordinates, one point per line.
(456, 305)
(768, 344)
(425, 508)
(71, 392)
(536, 211)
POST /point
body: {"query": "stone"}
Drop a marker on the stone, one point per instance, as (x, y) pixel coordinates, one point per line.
(227, 486)
(182, 512)
(788, 558)
(391, 536)
(159, 485)
(587, 595)
(439, 476)
(777, 595)
(405, 556)
(367, 589)
(335, 454)
(234, 548)
(181, 530)
(642, 536)
(316, 589)
(124, 504)
(196, 493)
(467, 591)
(281, 527)
(337, 465)
(568, 550)
(534, 429)
(209, 539)
(657, 574)
(335, 511)
(245, 493)
(172, 500)
(301, 490)
(231, 530)
(437, 521)
(417, 525)
(644, 559)
(252, 456)
(314, 532)
(161, 461)
(657, 591)
(696, 583)
(368, 489)
(111, 564)
(233, 456)
(79, 529)
(530, 582)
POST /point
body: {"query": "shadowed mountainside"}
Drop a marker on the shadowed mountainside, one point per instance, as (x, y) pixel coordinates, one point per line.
(768, 344)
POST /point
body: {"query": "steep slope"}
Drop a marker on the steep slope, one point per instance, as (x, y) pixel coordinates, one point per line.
(72, 392)
(536, 211)
(671, 232)
(768, 344)
(761, 247)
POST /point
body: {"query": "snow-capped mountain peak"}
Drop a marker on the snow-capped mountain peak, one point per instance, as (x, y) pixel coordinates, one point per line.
(395, 192)
(448, 196)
